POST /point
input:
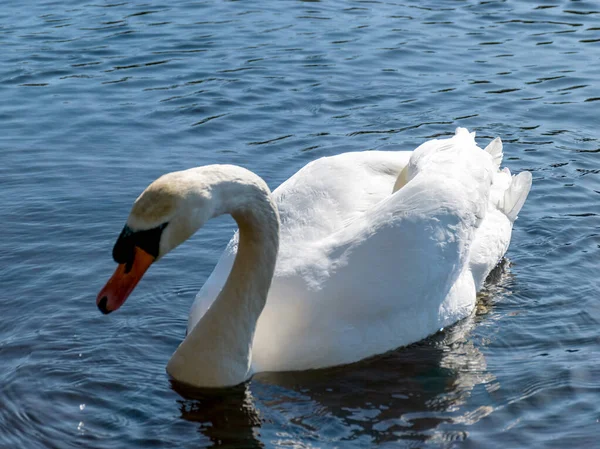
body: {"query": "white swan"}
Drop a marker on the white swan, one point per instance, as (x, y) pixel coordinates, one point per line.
(353, 256)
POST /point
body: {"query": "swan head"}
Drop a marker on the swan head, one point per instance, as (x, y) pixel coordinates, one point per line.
(165, 215)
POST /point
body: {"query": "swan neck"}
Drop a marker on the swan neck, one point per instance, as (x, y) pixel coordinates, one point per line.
(248, 283)
(218, 351)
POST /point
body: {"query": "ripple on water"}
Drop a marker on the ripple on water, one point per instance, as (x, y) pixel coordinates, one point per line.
(101, 98)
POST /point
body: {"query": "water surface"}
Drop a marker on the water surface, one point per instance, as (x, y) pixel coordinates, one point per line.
(100, 98)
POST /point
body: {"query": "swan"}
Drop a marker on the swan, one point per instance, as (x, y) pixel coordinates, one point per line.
(354, 255)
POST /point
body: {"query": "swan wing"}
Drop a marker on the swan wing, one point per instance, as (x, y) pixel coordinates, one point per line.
(316, 201)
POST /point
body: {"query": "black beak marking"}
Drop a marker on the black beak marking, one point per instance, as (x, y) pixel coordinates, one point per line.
(148, 240)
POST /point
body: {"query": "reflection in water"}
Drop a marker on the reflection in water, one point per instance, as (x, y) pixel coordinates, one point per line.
(227, 417)
(414, 393)
(405, 394)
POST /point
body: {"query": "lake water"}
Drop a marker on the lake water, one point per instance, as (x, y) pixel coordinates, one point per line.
(99, 98)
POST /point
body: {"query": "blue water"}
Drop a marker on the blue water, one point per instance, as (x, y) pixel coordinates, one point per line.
(100, 98)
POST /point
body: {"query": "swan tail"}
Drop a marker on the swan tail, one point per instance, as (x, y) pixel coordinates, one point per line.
(516, 194)
(494, 149)
(463, 133)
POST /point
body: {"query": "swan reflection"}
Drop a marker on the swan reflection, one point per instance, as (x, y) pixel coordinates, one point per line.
(228, 417)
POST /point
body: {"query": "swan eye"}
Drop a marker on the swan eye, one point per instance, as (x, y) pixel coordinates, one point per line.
(148, 240)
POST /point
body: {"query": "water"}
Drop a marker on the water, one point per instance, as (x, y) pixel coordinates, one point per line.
(100, 98)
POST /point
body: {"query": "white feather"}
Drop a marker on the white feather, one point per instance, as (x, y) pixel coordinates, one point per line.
(495, 150)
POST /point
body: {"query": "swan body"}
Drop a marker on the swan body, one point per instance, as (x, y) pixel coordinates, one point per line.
(353, 256)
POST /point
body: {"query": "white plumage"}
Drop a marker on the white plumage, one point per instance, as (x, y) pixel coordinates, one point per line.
(361, 270)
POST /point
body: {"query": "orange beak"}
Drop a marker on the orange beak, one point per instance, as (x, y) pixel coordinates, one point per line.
(122, 282)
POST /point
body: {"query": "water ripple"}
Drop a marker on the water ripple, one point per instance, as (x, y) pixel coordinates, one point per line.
(101, 98)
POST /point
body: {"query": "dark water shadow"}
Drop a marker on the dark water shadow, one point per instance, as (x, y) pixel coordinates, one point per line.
(228, 417)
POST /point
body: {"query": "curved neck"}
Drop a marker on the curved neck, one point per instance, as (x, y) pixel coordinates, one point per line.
(218, 351)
